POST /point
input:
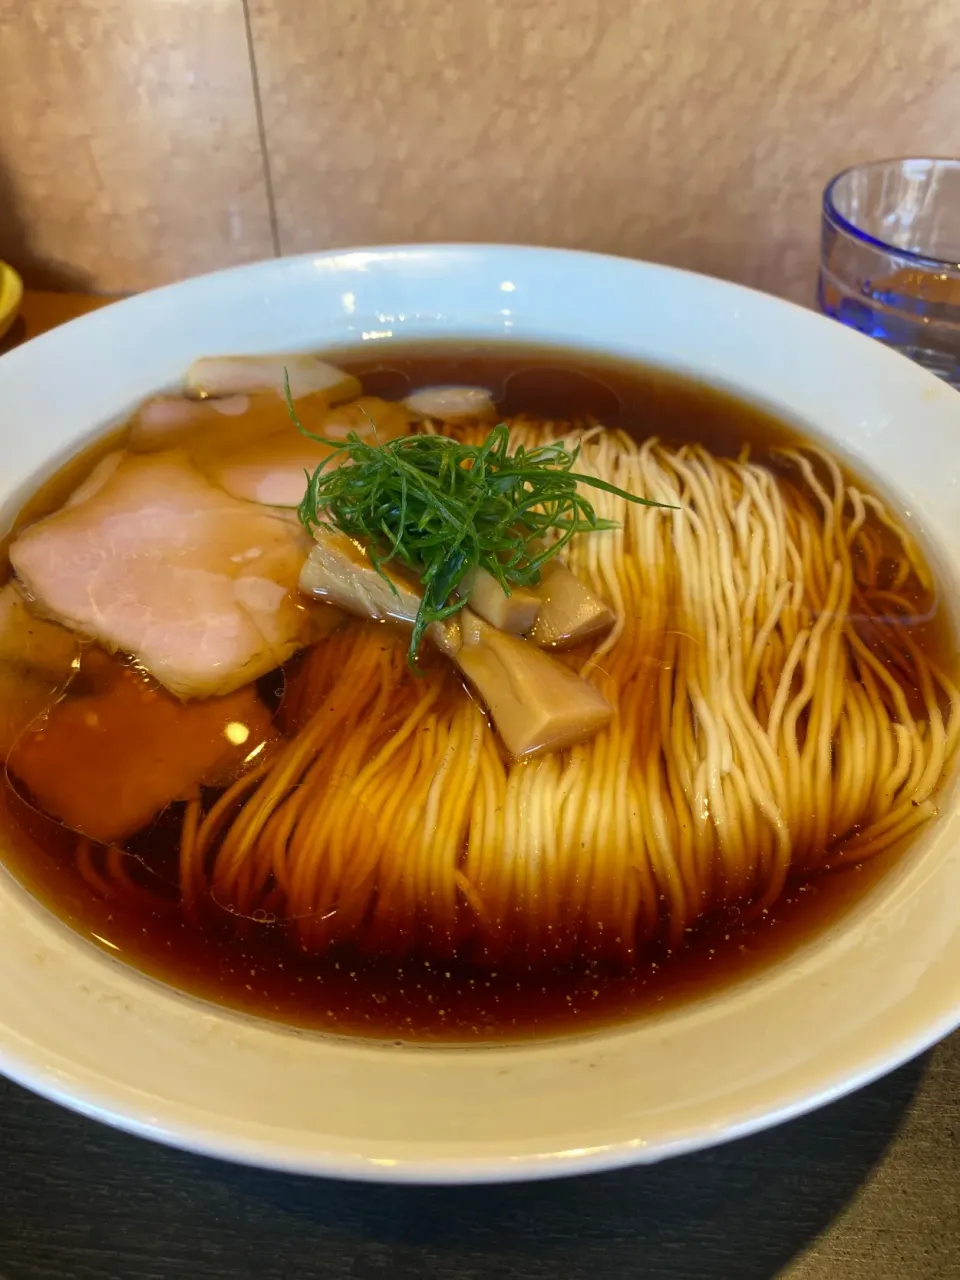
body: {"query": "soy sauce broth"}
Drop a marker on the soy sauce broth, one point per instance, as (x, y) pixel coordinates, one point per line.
(254, 966)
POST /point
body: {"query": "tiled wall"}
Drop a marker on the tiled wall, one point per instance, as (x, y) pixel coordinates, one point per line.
(143, 140)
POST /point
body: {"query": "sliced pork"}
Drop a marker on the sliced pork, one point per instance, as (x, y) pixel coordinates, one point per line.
(163, 564)
(232, 375)
(274, 469)
(108, 761)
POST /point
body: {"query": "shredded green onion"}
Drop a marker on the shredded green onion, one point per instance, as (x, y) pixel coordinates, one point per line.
(441, 509)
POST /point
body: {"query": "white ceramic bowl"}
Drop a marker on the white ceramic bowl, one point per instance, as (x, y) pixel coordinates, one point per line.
(854, 1003)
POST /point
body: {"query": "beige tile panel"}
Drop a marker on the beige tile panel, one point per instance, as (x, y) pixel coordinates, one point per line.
(697, 132)
(129, 148)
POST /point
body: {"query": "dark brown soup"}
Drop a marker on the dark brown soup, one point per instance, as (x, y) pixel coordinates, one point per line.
(127, 899)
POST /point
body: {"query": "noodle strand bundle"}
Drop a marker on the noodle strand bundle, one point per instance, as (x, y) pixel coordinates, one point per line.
(775, 714)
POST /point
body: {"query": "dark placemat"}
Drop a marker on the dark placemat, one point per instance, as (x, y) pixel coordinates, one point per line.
(866, 1188)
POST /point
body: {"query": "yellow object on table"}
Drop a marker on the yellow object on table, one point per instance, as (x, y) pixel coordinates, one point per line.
(11, 291)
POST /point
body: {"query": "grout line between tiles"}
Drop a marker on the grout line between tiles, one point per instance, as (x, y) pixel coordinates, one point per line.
(261, 131)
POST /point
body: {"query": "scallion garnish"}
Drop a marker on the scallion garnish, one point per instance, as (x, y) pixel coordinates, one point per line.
(441, 509)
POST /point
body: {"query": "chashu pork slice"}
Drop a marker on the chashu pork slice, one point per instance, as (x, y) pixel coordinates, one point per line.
(160, 563)
(234, 375)
(106, 761)
(274, 469)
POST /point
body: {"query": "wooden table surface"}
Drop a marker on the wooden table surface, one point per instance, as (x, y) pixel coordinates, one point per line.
(867, 1189)
(42, 311)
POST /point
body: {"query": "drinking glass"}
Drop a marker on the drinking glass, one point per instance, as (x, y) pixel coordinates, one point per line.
(890, 257)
